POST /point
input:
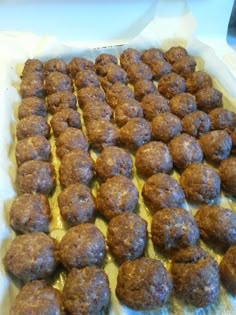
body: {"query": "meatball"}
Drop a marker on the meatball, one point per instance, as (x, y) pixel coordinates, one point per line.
(54, 65)
(82, 245)
(113, 161)
(64, 119)
(165, 126)
(86, 78)
(208, 98)
(153, 157)
(32, 66)
(162, 191)
(33, 148)
(171, 84)
(175, 53)
(227, 270)
(222, 118)
(142, 88)
(96, 111)
(36, 177)
(32, 85)
(118, 92)
(112, 74)
(143, 284)
(32, 256)
(86, 291)
(200, 183)
(151, 55)
(117, 195)
(77, 204)
(30, 213)
(174, 228)
(154, 104)
(128, 57)
(76, 167)
(32, 105)
(185, 150)
(31, 126)
(127, 109)
(61, 100)
(216, 145)
(197, 81)
(77, 64)
(182, 104)
(57, 81)
(70, 139)
(139, 71)
(37, 298)
(102, 60)
(185, 66)
(90, 94)
(233, 138)
(135, 133)
(196, 123)
(160, 68)
(227, 171)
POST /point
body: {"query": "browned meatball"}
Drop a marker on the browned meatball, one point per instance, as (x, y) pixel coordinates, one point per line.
(139, 71)
(227, 270)
(30, 213)
(196, 123)
(82, 245)
(171, 84)
(151, 55)
(143, 284)
(76, 167)
(61, 100)
(129, 56)
(32, 66)
(102, 60)
(86, 78)
(54, 65)
(185, 66)
(216, 145)
(32, 106)
(135, 133)
(96, 111)
(113, 161)
(162, 191)
(127, 109)
(57, 81)
(222, 118)
(64, 119)
(142, 88)
(33, 148)
(200, 183)
(90, 94)
(32, 85)
(197, 81)
(154, 104)
(233, 138)
(175, 53)
(208, 98)
(117, 92)
(37, 298)
(77, 64)
(112, 73)
(174, 228)
(195, 276)
(160, 68)
(86, 291)
(182, 104)
(31, 126)
(227, 171)
(153, 157)
(127, 236)
(185, 150)
(117, 195)
(165, 126)
(32, 256)
(77, 204)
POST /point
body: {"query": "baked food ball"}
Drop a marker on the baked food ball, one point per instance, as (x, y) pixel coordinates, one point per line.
(151, 55)
(129, 56)
(216, 145)
(118, 92)
(82, 245)
(127, 109)
(174, 228)
(31, 126)
(32, 85)
(185, 66)
(96, 111)
(102, 60)
(196, 123)
(57, 81)
(165, 126)
(77, 204)
(64, 119)
(200, 183)
(86, 291)
(222, 118)
(135, 133)
(89, 94)
(117, 195)
(139, 71)
(32, 105)
(143, 284)
(86, 78)
(61, 100)
(113, 161)
(36, 177)
(142, 88)
(197, 81)
(208, 98)
(162, 191)
(227, 172)
(171, 84)
(30, 213)
(127, 236)
(153, 157)
(159, 68)
(76, 167)
(77, 64)
(32, 148)
(227, 270)
(174, 54)
(185, 150)
(154, 104)
(54, 65)
(233, 138)
(69, 140)
(182, 104)
(37, 298)
(102, 134)
(32, 256)
(112, 73)
(195, 276)
(33, 66)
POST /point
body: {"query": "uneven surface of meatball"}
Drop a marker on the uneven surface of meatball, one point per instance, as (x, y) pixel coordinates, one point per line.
(233, 138)
(61, 100)
(182, 104)
(32, 66)
(36, 177)
(208, 98)
(117, 195)
(90, 94)
(200, 183)
(86, 78)
(96, 111)
(154, 104)
(151, 55)
(227, 270)
(112, 73)
(171, 84)
(227, 171)
(175, 53)
(102, 60)
(76, 167)
(162, 191)
(143, 284)
(77, 64)
(129, 56)
(142, 88)
(57, 81)
(54, 65)
(64, 119)
(31, 126)
(127, 109)
(32, 256)
(118, 92)
(127, 236)
(139, 71)
(197, 81)
(185, 66)
(160, 68)
(86, 291)
(32, 85)
(196, 123)
(222, 118)
(32, 106)
(82, 245)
